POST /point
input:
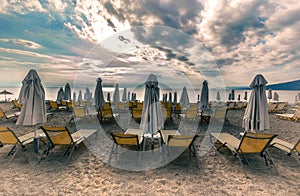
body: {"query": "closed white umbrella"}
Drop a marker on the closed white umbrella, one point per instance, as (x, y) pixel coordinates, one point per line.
(218, 96)
(184, 99)
(116, 97)
(175, 97)
(256, 117)
(60, 94)
(204, 96)
(124, 96)
(152, 118)
(98, 95)
(80, 96)
(67, 95)
(32, 97)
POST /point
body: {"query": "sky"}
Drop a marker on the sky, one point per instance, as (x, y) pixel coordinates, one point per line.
(226, 42)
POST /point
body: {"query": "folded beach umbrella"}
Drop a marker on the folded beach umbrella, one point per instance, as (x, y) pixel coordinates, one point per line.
(270, 94)
(276, 97)
(124, 96)
(232, 95)
(98, 95)
(152, 118)
(204, 96)
(60, 94)
(246, 95)
(184, 99)
(67, 95)
(108, 96)
(74, 96)
(218, 96)
(170, 97)
(87, 95)
(32, 97)
(175, 97)
(80, 96)
(256, 116)
(116, 97)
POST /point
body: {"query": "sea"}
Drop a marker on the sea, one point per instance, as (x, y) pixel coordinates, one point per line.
(51, 93)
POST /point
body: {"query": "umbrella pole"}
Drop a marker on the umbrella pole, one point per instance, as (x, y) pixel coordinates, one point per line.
(35, 140)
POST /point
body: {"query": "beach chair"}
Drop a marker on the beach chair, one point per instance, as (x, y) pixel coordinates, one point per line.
(250, 143)
(287, 147)
(17, 105)
(221, 114)
(3, 114)
(280, 107)
(137, 114)
(8, 137)
(191, 114)
(272, 107)
(295, 116)
(177, 144)
(105, 114)
(128, 141)
(78, 113)
(61, 136)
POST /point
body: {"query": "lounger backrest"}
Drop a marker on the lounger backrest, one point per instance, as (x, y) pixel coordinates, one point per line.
(125, 139)
(79, 112)
(107, 105)
(107, 113)
(220, 113)
(53, 104)
(297, 146)
(7, 136)
(191, 113)
(297, 113)
(16, 104)
(58, 135)
(255, 142)
(2, 114)
(181, 140)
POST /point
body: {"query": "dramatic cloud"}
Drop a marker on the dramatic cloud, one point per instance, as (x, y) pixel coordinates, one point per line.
(194, 39)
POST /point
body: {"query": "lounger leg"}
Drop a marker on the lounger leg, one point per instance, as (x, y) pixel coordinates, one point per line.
(12, 151)
(45, 151)
(71, 152)
(111, 152)
(16, 149)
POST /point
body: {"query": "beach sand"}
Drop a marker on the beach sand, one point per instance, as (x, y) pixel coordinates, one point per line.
(218, 173)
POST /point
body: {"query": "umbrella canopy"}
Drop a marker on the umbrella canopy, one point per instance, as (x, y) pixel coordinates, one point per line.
(108, 96)
(32, 97)
(232, 95)
(175, 97)
(60, 94)
(5, 92)
(276, 97)
(246, 95)
(87, 95)
(170, 97)
(152, 118)
(204, 96)
(184, 99)
(116, 97)
(239, 97)
(256, 117)
(270, 94)
(124, 96)
(229, 96)
(98, 95)
(80, 96)
(67, 95)
(74, 96)
(218, 96)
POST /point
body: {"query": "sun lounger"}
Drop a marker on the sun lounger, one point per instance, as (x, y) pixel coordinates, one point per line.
(61, 136)
(177, 144)
(8, 137)
(3, 114)
(295, 116)
(287, 147)
(250, 143)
